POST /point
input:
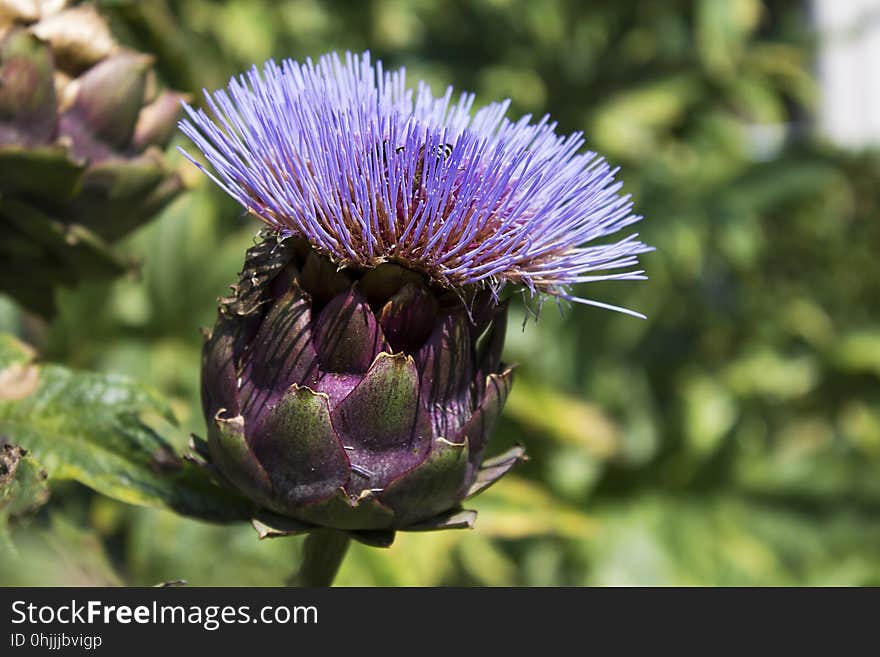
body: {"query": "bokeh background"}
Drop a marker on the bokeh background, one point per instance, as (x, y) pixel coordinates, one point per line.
(732, 438)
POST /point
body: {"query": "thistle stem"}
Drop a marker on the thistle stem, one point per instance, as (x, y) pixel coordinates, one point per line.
(322, 555)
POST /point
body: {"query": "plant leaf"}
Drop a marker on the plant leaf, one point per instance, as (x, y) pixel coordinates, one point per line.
(104, 432)
(23, 487)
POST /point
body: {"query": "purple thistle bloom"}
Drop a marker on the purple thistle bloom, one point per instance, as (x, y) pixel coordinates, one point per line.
(354, 376)
(344, 155)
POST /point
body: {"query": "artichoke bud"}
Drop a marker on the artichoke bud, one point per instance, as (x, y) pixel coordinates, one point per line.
(157, 121)
(354, 376)
(79, 38)
(109, 97)
(27, 90)
(13, 11)
(80, 120)
(356, 399)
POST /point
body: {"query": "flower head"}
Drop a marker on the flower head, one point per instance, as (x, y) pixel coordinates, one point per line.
(344, 155)
(345, 384)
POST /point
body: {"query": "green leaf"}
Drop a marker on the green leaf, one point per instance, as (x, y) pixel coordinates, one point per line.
(727, 539)
(103, 431)
(60, 552)
(517, 508)
(13, 352)
(636, 119)
(562, 418)
(722, 30)
(859, 351)
(23, 487)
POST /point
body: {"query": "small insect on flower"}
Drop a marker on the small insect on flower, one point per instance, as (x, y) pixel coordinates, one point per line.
(354, 376)
(441, 152)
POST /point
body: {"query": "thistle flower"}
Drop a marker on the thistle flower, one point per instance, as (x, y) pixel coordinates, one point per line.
(354, 376)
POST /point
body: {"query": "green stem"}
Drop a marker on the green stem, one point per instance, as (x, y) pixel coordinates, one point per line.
(322, 555)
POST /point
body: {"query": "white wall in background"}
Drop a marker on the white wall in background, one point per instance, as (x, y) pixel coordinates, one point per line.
(849, 70)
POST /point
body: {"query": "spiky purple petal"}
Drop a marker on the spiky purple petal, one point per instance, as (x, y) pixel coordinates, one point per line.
(342, 153)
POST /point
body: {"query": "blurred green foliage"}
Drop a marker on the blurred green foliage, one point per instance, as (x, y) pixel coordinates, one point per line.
(732, 438)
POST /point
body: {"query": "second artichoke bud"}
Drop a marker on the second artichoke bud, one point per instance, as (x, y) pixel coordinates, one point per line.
(82, 128)
(354, 399)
